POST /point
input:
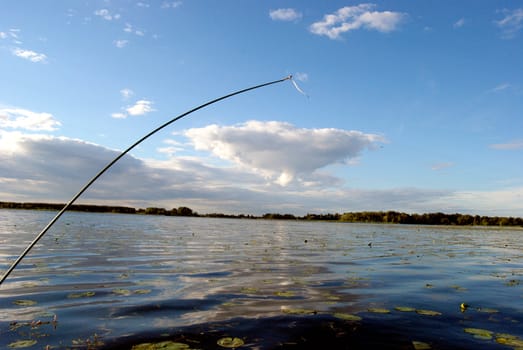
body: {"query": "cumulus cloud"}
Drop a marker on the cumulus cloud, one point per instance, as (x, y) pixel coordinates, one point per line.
(29, 55)
(19, 118)
(355, 17)
(141, 107)
(190, 181)
(106, 14)
(277, 149)
(512, 23)
(285, 14)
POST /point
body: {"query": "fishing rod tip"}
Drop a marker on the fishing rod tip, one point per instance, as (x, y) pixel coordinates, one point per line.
(288, 77)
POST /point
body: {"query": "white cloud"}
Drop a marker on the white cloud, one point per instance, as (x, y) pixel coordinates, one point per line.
(355, 17)
(119, 115)
(126, 93)
(501, 87)
(30, 55)
(3, 35)
(69, 163)
(171, 4)
(130, 29)
(142, 4)
(121, 43)
(18, 118)
(513, 145)
(459, 23)
(287, 14)
(512, 23)
(141, 107)
(105, 14)
(277, 149)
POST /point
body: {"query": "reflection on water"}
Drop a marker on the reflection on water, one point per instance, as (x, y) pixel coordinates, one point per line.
(111, 280)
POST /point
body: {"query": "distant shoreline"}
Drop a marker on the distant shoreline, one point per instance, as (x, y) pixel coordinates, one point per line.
(384, 217)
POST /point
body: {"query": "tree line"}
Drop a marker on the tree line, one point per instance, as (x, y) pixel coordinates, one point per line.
(385, 217)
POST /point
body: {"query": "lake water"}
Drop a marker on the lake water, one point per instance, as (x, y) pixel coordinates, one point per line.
(117, 281)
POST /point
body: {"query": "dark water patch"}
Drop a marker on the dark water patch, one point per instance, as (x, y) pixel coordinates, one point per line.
(313, 332)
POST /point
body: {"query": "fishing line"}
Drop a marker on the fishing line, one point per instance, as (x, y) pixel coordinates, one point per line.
(297, 87)
(90, 182)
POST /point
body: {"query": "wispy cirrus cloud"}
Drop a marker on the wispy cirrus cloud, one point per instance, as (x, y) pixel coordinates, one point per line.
(441, 166)
(129, 28)
(19, 118)
(512, 23)
(171, 4)
(126, 93)
(285, 14)
(509, 146)
(459, 23)
(500, 87)
(355, 17)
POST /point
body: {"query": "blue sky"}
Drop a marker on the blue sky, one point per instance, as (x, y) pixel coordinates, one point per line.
(414, 106)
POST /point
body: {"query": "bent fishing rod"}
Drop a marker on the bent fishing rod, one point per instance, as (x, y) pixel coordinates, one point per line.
(111, 163)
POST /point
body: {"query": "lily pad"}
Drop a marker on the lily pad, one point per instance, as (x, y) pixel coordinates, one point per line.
(285, 293)
(24, 302)
(164, 345)
(509, 340)
(142, 291)
(479, 333)
(298, 311)
(230, 342)
(22, 344)
(428, 313)
(419, 345)
(378, 310)
(404, 309)
(249, 290)
(347, 317)
(121, 291)
(81, 295)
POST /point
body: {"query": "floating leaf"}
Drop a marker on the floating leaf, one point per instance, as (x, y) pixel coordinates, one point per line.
(286, 294)
(249, 290)
(378, 310)
(121, 291)
(347, 317)
(404, 309)
(510, 340)
(23, 302)
(142, 291)
(487, 310)
(428, 313)
(419, 345)
(298, 311)
(164, 345)
(229, 342)
(22, 344)
(479, 333)
(81, 295)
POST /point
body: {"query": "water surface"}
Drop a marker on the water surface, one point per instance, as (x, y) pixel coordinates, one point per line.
(115, 280)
